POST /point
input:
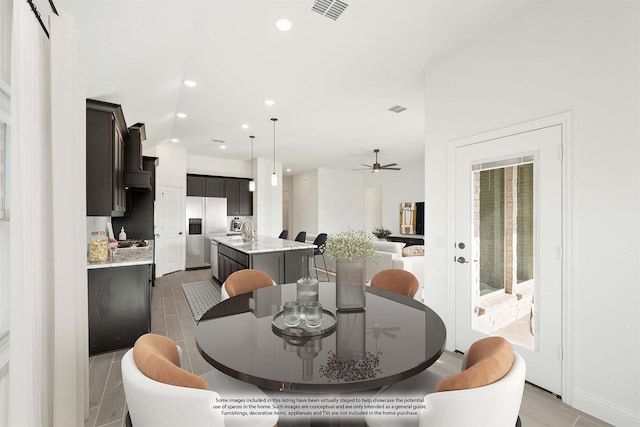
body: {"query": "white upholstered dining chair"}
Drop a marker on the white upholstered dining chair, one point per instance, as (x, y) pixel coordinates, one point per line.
(486, 393)
(160, 393)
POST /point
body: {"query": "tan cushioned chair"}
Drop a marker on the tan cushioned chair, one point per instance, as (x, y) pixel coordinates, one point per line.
(396, 280)
(488, 360)
(157, 357)
(243, 281)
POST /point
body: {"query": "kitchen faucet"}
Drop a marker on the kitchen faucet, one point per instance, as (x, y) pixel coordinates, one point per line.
(246, 237)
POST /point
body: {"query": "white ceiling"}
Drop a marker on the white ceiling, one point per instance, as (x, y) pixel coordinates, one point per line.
(332, 81)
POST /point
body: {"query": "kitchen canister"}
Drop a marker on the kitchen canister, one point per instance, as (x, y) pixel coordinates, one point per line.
(98, 247)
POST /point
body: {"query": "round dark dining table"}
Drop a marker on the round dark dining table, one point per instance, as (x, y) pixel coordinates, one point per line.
(393, 338)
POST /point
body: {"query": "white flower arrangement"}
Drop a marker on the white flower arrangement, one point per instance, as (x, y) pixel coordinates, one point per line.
(351, 245)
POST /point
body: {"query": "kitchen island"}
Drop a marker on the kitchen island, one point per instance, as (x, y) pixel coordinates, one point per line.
(119, 297)
(283, 260)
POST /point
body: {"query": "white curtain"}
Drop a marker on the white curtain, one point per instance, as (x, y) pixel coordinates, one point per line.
(68, 110)
(30, 369)
(48, 375)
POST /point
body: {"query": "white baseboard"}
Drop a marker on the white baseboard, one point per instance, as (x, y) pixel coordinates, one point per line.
(604, 409)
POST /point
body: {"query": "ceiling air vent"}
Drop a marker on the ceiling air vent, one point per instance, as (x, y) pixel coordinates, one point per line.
(329, 8)
(397, 108)
(220, 141)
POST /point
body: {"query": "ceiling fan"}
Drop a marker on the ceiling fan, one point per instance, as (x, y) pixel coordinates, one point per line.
(376, 167)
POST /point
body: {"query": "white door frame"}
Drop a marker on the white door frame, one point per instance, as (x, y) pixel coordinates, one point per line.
(565, 120)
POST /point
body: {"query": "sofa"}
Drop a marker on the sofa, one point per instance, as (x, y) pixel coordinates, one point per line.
(390, 255)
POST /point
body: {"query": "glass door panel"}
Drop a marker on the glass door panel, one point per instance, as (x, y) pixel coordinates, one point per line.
(503, 219)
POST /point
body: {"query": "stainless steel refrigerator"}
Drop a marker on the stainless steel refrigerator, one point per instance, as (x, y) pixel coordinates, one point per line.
(205, 216)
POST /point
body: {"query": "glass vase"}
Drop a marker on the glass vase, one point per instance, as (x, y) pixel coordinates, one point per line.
(350, 285)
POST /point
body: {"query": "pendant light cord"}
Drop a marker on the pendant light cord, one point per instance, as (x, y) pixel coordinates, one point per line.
(274, 120)
(252, 137)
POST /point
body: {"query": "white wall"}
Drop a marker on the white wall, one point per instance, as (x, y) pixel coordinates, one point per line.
(305, 203)
(222, 167)
(406, 185)
(340, 201)
(570, 56)
(267, 206)
(5, 74)
(372, 215)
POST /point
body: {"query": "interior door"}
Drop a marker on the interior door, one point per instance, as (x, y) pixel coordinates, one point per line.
(172, 234)
(508, 255)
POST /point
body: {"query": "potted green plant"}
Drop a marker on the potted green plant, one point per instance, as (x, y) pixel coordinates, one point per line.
(381, 232)
(351, 249)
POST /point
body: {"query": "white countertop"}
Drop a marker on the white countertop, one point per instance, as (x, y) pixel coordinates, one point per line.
(261, 244)
(123, 257)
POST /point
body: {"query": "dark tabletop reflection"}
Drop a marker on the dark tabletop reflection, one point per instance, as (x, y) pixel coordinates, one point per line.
(393, 338)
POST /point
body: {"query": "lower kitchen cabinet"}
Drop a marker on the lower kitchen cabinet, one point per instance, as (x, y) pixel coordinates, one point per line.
(282, 266)
(119, 306)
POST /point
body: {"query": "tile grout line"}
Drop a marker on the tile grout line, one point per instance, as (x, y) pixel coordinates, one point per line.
(104, 389)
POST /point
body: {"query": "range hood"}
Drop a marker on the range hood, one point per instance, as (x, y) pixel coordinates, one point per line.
(135, 178)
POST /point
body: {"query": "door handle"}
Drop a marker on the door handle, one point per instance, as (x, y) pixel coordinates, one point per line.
(180, 233)
(461, 260)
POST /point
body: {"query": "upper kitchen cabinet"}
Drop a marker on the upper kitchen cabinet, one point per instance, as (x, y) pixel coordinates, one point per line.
(195, 185)
(107, 135)
(236, 191)
(205, 186)
(214, 187)
(239, 198)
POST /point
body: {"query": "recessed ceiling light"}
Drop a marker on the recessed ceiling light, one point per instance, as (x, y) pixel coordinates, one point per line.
(244, 126)
(223, 147)
(181, 115)
(288, 170)
(269, 102)
(175, 140)
(190, 83)
(283, 24)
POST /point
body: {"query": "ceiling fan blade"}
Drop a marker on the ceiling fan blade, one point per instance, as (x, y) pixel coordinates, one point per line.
(368, 166)
(390, 164)
(391, 169)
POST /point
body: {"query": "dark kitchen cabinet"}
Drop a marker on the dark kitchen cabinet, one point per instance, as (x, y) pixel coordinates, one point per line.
(232, 188)
(239, 198)
(139, 219)
(214, 187)
(230, 261)
(119, 306)
(235, 190)
(205, 186)
(107, 136)
(195, 185)
(245, 199)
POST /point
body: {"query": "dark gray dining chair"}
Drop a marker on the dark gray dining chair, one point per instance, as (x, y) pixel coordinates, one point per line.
(301, 236)
(320, 241)
(284, 234)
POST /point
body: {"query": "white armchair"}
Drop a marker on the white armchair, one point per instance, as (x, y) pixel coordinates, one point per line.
(155, 404)
(493, 405)
(458, 401)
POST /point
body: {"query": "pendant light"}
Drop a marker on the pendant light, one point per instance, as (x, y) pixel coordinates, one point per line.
(252, 183)
(274, 177)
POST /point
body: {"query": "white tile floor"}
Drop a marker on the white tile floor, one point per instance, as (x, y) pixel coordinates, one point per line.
(172, 317)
